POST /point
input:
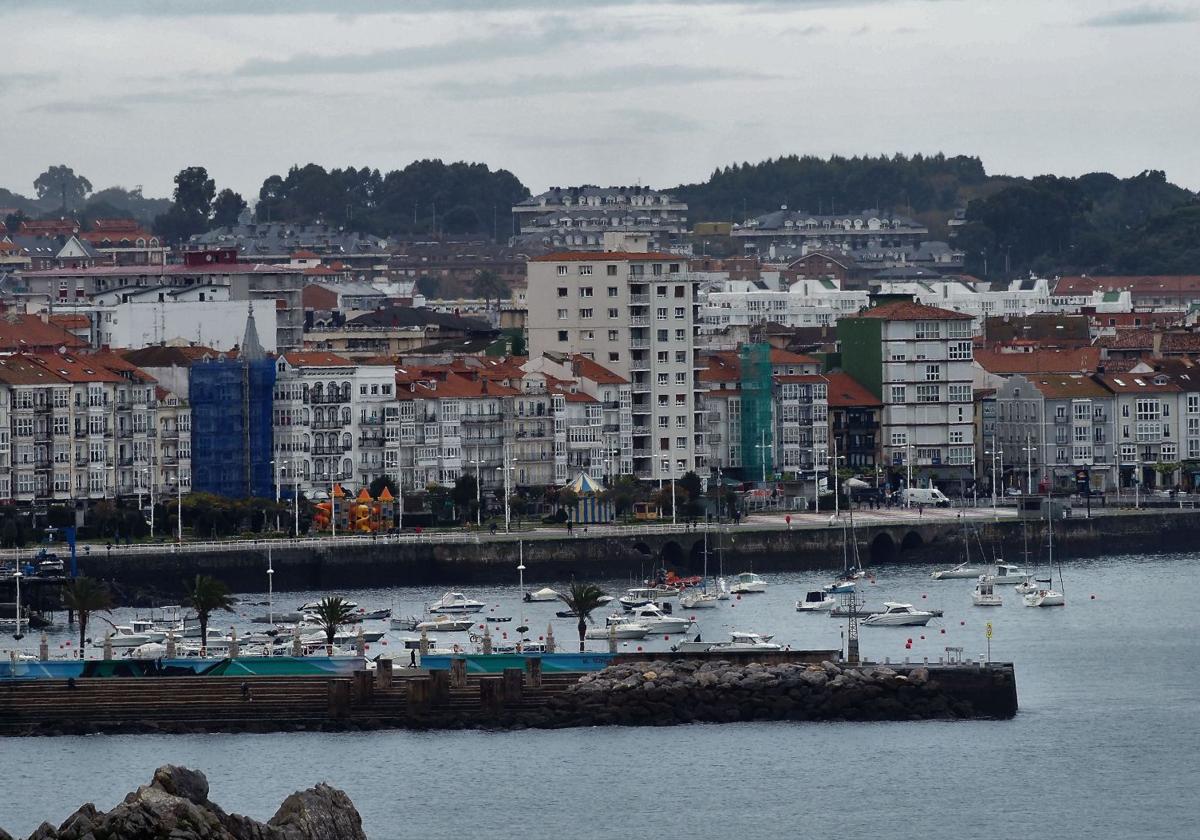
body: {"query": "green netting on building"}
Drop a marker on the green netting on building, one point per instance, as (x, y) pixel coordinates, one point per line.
(758, 438)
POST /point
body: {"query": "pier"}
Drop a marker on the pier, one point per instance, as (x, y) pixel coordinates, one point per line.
(633, 690)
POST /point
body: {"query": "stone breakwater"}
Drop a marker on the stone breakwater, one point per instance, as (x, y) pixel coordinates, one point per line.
(676, 692)
(175, 805)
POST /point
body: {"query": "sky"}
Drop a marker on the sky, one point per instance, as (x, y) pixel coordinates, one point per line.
(561, 92)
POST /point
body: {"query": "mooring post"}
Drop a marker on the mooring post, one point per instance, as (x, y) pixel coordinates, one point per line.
(439, 687)
(458, 673)
(419, 690)
(43, 648)
(339, 699)
(490, 694)
(513, 679)
(534, 666)
(383, 673)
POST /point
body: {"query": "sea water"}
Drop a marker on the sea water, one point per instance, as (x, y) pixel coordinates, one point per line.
(1106, 743)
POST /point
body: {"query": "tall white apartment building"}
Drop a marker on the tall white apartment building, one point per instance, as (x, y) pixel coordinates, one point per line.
(635, 313)
(917, 360)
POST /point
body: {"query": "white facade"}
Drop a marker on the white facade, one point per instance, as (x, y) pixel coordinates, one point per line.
(214, 321)
(808, 303)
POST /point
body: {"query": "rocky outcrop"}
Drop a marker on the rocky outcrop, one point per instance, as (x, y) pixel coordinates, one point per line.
(659, 693)
(175, 805)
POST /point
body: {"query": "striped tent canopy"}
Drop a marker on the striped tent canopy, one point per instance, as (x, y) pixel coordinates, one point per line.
(584, 485)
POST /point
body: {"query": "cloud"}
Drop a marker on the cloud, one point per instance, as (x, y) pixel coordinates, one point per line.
(556, 32)
(185, 97)
(607, 80)
(1144, 15)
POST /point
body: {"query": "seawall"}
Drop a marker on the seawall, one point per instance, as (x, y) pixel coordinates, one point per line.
(632, 553)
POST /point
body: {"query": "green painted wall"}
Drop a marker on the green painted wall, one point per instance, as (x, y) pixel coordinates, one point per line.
(861, 343)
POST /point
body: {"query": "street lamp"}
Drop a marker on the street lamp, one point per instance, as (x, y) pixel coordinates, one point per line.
(833, 460)
(993, 453)
(275, 468)
(763, 448)
(150, 480)
(1028, 449)
(506, 467)
(478, 483)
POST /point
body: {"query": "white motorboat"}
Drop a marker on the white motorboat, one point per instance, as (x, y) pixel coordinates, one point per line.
(748, 583)
(841, 586)
(1026, 587)
(816, 601)
(150, 650)
(456, 602)
(604, 601)
(898, 615)
(625, 629)
(1045, 597)
(641, 595)
(696, 599)
(738, 641)
(342, 637)
(404, 623)
(722, 589)
(1008, 574)
(543, 594)
(445, 623)
(985, 593)
(961, 571)
(312, 605)
(124, 636)
(654, 618)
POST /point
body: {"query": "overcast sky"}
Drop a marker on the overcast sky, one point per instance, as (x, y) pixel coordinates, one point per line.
(592, 91)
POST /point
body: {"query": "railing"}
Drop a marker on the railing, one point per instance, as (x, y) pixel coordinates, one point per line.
(639, 300)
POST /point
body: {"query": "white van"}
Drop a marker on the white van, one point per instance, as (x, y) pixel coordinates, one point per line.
(924, 496)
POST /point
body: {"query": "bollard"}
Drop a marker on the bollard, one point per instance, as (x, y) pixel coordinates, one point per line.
(383, 673)
(512, 684)
(297, 646)
(423, 644)
(364, 686)
(612, 638)
(233, 644)
(490, 694)
(439, 680)
(339, 699)
(487, 641)
(171, 648)
(926, 660)
(108, 647)
(419, 692)
(360, 644)
(534, 666)
(458, 673)
(43, 648)
(549, 638)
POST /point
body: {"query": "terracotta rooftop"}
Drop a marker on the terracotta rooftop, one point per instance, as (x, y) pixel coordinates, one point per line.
(29, 332)
(845, 391)
(1075, 360)
(21, 370)
(1067, 386)
(598, 373)
(167, 355)
(316, 358)
(1138, 383)
(907, 310)
(1139, 284)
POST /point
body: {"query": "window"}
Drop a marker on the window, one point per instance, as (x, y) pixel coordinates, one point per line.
(680, 313)
(562, 314)
(680, 335)
(927, 329)
(662, 335)
(562, 335)
(899, 438)
(562, 271)
(933, 373)
(928, 393)
(681, 399)
(956, 437)
(585, 313)
(898, 395)
(898, 356)
(585, 291)
(660, 291)
(664, 379)
(960, 351)
(614, 357)
(673, 268)
(614, 313)
(562, 291)
(960, 393)
(614, 335)
(681, 421)
(1148, 410)
(656, 269)
(1193, 403)
(612, 290)
(589, 335)
(610, 270)
(1081, 410)
(681, 357)
(681, 443)
(664, 422)
(661, 356)
(585, 270)
(959, 328)
(680, 378)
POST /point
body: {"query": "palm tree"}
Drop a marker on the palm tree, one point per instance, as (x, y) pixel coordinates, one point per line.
(86, 596)
(207, 595)
(332, 612)
(582, 600)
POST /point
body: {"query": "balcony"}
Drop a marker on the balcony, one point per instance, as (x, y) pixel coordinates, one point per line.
(481, 418)
(322, 449)
(639, 321)
(639, 364)
(372, 441)
(639, 300)
(641, 387)
(328, 424)
(639, 344)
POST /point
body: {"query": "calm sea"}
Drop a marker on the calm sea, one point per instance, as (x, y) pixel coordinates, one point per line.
(1105, 745)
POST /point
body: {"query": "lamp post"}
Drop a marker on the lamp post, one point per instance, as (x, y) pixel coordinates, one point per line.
(1028, 449)
(992, 453)
(275, 469)
(400, 497)
(833, 460)
(179, 505)
(908, 469)
(270, 587)
(296, 499)
(478, 483)
(673, 520)
(137, 481)
(150, 477)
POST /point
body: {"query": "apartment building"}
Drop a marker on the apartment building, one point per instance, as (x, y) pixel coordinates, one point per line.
(635, 313)
(815, 302)
(580, 218)
(917, 360)
(854, 414)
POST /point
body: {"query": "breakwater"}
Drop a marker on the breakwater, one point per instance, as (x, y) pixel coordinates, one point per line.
(175, 804)
(682, 689)
(629, 553)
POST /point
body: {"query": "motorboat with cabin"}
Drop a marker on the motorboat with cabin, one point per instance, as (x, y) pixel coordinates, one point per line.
(898, 615)
(817, 600)
(748, 583)
(963, 571)
(1008, 574)
(619, 627)
(985, 594)
(739, 641)
(456, 602)
(543, 594)
(642, 595)
(445, 623)
(657, 620)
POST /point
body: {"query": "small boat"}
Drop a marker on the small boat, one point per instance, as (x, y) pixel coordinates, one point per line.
(567, 614)
(1008, 574)
(696, 599)
(543, 594)
(50, 567)
(127, 636)
(499, 619)
(962, 570)
(816, 601)
(456, 602)
(446, 623)
(627, 629)
(748, 583)
(642, 595)
(605, 600)
(655, 619)
(278, 618)
(376, 615)
(985, 593)
(342, 637)
(1045, 597)
(405, 623)
(738, 641)
(841, 586)
(898, 615)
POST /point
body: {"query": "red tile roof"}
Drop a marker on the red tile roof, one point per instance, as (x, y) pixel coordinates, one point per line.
(608, 256)
(1075, 360)
(1138, 383)
(787, 357)
(71, 322)
(1138, 284)
(316, 358)
(907, 310)
(29, 332)
(846, 392)
(598, 373)
(1067, 386)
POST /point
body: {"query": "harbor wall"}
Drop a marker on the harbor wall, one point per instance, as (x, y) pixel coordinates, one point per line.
(629, 555)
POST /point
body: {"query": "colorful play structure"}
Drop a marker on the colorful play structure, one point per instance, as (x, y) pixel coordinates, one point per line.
(360, 515)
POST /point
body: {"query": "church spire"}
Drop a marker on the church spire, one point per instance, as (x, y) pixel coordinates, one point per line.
(252, 349)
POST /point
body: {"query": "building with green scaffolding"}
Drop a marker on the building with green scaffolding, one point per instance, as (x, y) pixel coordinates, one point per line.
(758, 433)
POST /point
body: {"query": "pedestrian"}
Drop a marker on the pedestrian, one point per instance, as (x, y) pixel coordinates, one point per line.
(412, 658)
(492, 528)
(570, 529)
(920, 510)
(245, 690)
